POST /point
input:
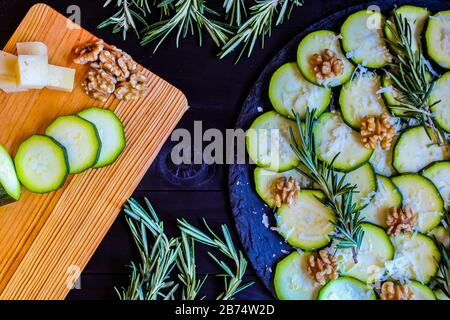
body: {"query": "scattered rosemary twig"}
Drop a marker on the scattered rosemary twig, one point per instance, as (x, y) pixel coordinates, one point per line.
(411, 78)
(259, 24)
(233, 281)
(235, 11)
(150, 279)
(443, 276)
(338, 193)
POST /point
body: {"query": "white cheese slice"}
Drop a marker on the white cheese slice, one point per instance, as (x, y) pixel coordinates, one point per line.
(32, 48)
(60, 78)
(8, 65)
(32, 71)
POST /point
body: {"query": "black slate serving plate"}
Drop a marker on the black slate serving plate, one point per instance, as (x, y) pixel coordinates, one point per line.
(263, 246)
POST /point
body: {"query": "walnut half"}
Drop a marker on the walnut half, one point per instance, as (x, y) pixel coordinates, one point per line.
(395, 291)
(374, 129)
(326, 65)
(322, 267)
(400, 220)
(285, 191)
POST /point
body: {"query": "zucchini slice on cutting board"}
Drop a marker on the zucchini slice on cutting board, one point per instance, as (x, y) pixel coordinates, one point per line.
(269, 142)
(439, 174)
(80, 138)
(42, 164)
(375, 250)
(9, 183)
(440, 100)
(415, 150)
(415, 258)
(315, 43)
(437, 38)
(363, 39)
(360, 98)
(290, 92)
(417, 18)
(307, 224)
(423, 198)
(346, 288)
(333, 137)
(292, 281)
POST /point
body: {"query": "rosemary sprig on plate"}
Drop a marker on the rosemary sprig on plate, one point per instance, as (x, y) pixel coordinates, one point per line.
(259, 25)
(411, 78)
(233, 280)
(338, 193)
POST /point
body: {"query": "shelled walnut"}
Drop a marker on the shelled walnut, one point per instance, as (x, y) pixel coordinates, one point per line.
(112, 71)
(395, 291)
(285, 191)
(374, 129)
(399, 221)
(326, 65)
(322, 267)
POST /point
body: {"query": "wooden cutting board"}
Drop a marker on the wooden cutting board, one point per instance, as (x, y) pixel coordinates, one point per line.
(46, 240)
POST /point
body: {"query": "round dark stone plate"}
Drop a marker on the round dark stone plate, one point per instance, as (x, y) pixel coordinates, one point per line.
(263, 246)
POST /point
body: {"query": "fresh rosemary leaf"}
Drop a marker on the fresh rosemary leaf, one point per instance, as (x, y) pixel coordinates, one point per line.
(235, 11)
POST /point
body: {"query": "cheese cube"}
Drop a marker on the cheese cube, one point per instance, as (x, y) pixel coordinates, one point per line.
(32, 71)
(60, 78)
(31, 48)
(8, 63)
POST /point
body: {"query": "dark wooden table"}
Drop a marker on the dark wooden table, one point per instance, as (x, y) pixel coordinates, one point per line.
(216, 90)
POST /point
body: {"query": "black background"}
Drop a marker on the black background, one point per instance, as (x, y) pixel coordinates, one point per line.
(216, 90)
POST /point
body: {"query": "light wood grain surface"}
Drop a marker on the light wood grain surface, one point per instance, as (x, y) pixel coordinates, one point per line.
(45, 240)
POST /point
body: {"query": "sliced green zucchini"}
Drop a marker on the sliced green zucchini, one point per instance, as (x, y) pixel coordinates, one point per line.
(80, 138)
(437, 38)
(440, 100)
(315, 43)
(363, 39)
(346, 288)
(41, 163)
(110, 131)
(289, 91)
(439, 174)
(387, 196)
(333, 137)
(415, 150)
(442, 236)
(359, 98)
(381, 160)
(375, 250)
(417, 18)
(420, 291)
(265, 180)
(440, 295)
(9, 183)
(391, 95)
(415, 258)
(292, 281)
(306, 224)
(366, 184)
(423, 198)
(269, 142)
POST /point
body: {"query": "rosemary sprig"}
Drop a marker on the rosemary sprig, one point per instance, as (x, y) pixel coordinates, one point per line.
(235, 11)
(411, 78)
(338, 194)
(233, 280)
(150, 279)
(443, 276)
(259, 25)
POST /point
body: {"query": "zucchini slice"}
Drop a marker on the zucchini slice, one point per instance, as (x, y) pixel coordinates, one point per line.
(437, 38)
(79, 137)
(333, 136)
(265, 180)
(439, 174)
(387, 196)
(441, 235)
(440, 295)
(363, 39)
(9, 183)
(420, 291)
(346, 288)
(292, 281)
(316, 42)
(423, 198)
(417, 18)
(390, 95)
(307, 224)
(441, 93)
(381, 160)
(289, 91)
(110, 131)
(366, 184)
(415, 150)
(375, 250)
(42, 164)
(269, 142)
(360, 98)
(415, 258)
